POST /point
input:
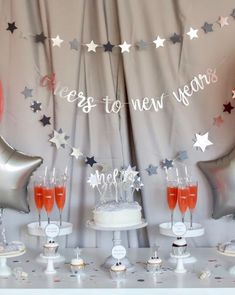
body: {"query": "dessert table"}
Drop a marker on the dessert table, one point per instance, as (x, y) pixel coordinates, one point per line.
(97, 281)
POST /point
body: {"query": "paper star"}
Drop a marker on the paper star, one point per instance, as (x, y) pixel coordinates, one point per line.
(76, 153)
(74, 44)
(36, 106)
(59, 138)
(90, 161)
(192, 33)
(233, 93)
(176, 38)
(93, 180)
(91, 46)
(129, 174)
(108, 47)
(27, 92)
(138, 184)
(167, 164)
(218, 121)
(125, 47)
(151, 170)
(228, 108)
(182, 155)
(142, 44)
(207, 27)
(40, 38)
(223, 21)
(202, 141)
(233, 13)
(159, 42)
(45, 120)
(11, 27)
(57, 41)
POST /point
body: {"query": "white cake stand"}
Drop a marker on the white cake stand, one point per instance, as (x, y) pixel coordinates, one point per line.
(116, 241)
(5, 270)
(197, 230)
(35, 230)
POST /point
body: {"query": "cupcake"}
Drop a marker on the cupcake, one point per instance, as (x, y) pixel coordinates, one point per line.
(179, 247)
(77, 266)
(154, 264)
(118, 271)
(50, 249)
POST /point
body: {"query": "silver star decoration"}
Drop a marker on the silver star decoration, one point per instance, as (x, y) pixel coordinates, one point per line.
(138, 184)
(76, 153)
(129, 174)
(223, 21)
(142, 45)
(59, 138)
(159, 42)
(57, 41)
(125, 47)
(202, 141)
(27, 92)
(167, 164)
(74, 44)
(192, 33)
(182, 155)
(93, 180)
(151, 170)
(36, 106)
(91, 46)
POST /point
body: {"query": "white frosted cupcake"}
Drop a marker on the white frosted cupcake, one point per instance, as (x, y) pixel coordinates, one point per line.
(77, 266)
(118, 271)
(154, 264)
(50, 249)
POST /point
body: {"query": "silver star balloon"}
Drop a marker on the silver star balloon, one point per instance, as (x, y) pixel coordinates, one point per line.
(15, 171)
(220, 174)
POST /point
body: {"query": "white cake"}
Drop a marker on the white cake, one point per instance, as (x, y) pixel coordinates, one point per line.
(113, 214)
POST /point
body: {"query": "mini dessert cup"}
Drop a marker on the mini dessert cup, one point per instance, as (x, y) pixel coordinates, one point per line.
(50, 249)
(77, 266)
(154, 265)
(179, 247)
(118, 271)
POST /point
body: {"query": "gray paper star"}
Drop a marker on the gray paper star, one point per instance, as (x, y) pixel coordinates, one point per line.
(207, 27)
(40, 38)
(167, 164)
(36, 106)
(233, 13)
(142, 45)
(182, 155)
(59, 138)
(176, 38)
(27, 92)
(151, 170)
(74, 44)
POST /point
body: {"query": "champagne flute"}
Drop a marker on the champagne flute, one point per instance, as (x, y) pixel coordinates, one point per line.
(192, 198)
(183, 193)
(60, 195)
(48, 196)
(38, 197)
(172, 192)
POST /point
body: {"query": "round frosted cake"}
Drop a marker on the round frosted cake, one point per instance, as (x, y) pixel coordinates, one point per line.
(115, 214)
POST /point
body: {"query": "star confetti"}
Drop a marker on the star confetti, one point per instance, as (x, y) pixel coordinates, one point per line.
(151, 170)
(192, 33)
(76, 153)
(202, 141)
(90, 161)
(137, 184)
(129, 174)
(207, 27)
(223, 21)
(36, 106)
(91, 46)
(176, 38)
(11, 27)
(159, 42)
(40, 38)
(142, 45)
(233, 93)
(108, 47)
(59, 139)
(27, 92)
(125, 47)
(93, 180)
(182, 155)
(167, 164)
(74, 44)
(228, 108)
(218, 121)
(57, 41)
(45, 120)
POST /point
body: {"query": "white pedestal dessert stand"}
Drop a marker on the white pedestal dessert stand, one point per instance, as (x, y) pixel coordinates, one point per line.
(50, 270)
(180, 262)
(231, 269)
(116, 241)
(39, 231)
(5, 270)
(196, 231)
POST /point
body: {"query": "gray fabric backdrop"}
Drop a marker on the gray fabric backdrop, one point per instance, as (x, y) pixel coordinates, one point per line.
(139, 138)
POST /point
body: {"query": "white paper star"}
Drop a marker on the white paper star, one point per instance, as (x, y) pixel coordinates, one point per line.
(93, 180)
(202, 141)
(159, 42)
(223, 21)
(59, 139)
(129, 174)
(57, 41)
(125, 47)
(76, 153)
(192, 33)
(91, 46)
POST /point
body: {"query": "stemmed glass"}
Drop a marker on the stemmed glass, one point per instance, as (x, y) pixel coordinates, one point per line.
(192, 198)
(38, 196)
(48, 196)
(172, 192)
(60, 194)
(183, 193)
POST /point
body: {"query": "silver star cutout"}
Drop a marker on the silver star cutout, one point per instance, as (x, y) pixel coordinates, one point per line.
(138, 184)
(202, 141)
(76, 153)
(142, 45)
(27, 92)
(74, 44)
(151, 170)
(129, 174)
(59, 139)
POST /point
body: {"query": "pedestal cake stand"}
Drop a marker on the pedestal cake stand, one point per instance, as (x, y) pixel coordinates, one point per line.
(5, 270)
(197, 230)
(116, 240)
(39, 231)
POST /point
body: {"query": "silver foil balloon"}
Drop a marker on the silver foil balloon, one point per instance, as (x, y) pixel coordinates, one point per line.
(15, 170)
(221, 176)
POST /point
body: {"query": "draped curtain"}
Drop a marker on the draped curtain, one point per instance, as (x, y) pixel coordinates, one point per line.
(128, 137)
